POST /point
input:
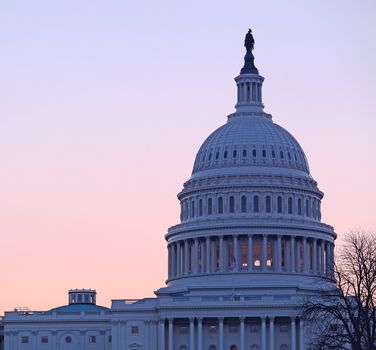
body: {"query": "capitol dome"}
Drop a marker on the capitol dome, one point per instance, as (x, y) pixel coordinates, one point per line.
(250, 140)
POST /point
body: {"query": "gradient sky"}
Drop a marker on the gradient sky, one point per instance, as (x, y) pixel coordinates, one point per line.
(104, 104)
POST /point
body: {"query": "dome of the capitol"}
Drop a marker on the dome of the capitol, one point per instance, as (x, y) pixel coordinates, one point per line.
(250, 141)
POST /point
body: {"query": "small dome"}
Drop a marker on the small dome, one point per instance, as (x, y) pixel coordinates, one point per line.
(250, 141)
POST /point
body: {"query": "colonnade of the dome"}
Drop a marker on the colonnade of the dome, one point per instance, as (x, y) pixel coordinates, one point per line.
(250, 253)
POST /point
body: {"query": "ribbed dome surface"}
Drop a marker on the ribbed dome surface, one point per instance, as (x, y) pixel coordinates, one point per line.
(250, 141)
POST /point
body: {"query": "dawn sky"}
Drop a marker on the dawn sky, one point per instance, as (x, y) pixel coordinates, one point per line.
(104, 104)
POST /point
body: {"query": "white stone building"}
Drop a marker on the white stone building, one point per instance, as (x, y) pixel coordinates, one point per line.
(247, 252)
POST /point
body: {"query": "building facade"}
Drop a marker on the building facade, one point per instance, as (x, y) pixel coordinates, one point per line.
(247, 253)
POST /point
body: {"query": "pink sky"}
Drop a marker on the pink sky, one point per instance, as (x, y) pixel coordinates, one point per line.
(105, 104)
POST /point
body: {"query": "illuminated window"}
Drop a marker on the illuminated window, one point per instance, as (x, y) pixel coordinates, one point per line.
(269, 248)
(231, 262)
(256, 252)
(243, 248)
(92, 339)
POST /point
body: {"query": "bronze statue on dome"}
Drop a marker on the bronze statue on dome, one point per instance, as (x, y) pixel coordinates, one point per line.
(249, 41)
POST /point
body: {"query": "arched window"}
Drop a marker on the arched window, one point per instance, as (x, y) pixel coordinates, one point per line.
(279, 204)
(244, 204)
(234, 153)
(307, 207)
(281, 155)
(210, 206)
(256, 204)
(200, 208)
(299, 206)
(210, 155)
(217, 155)
(268, 204)
(212, 347)
(231, 204)
(254, 153)
(273, 153)
(244, 153)
(263, 153)
(284, 347)
(192, 209)
(290, 205)
(225, 155)
(220, 205)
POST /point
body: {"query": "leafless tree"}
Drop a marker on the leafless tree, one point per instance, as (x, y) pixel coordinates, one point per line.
(344, 316)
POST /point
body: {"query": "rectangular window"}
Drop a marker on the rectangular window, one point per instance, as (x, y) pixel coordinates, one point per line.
(110, 338)
(44, 339)
(220, 205)
(210, 206)
(92, 339)
(135, 330)
(212, 329)
(24, 340)
(279, 205)
(232, 204)
(256, 205)
(244, 204)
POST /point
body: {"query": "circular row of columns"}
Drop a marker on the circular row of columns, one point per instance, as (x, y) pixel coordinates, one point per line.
(170, 339)
(179, 255)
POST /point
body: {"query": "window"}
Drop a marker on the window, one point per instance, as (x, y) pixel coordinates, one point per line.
(299, 206)
(256, 204)
(256, 252)
(200, 209)
(24, 340)
(307, 207)
(212, 347)
(254, 329)
(183, 347)
(135, 329)
(220, 205)
(210, 155)
(192, 209)
(244, 153)
(217, 156)
(290, 205)
(268, 204)
(225, 155)
(68, 339)
(212, 328)
(243, 248)
(92, 339)
(110, 338)
(183, 330)
(263, 153)
(279, 204)
(44, 339)
(210, 206)
(232, 204)
(289, 155)
(233, 329)
(254, 153)
(281, 155)
(244, 204)
(273, 153)
(234, 153)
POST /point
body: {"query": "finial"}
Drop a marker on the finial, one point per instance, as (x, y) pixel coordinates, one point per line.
(249, 65)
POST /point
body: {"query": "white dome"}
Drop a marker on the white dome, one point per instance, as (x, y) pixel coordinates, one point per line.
(250, 141)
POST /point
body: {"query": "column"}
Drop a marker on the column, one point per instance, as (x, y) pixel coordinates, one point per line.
(328, 258)
(314, 256)
(178, 257)
(287, 255)
(169, 261)
(186, 257)
(236, 252)
(173, 260)
(242, 333)
(293, 334)
(271, 319)
(305, 260)
(162, 334)
(221, 334)
(301, 335)
(199, 331)
(278, 255)
(264, 255)
(195, 256)
(221, 255)
(322, 258)
(293, 265)
(298, 258)
(250, 253)
(332, 262)
(192, 334)
(245, 92)
(207, 244)
(34, 340)
(147, 334)
(170, 334)
(263, 333)
(213, 245)
(202, 252)
(54, 338)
